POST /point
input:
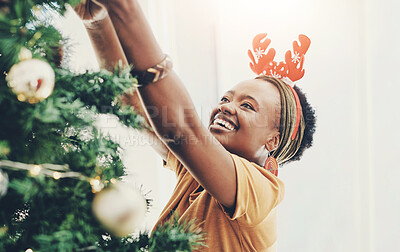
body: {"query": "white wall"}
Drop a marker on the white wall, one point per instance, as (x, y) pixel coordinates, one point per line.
(343, 194)
(382, 68)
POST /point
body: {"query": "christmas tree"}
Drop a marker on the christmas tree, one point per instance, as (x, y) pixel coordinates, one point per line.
(59, 176)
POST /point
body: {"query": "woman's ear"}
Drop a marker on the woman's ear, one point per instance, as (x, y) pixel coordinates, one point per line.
(273, 142)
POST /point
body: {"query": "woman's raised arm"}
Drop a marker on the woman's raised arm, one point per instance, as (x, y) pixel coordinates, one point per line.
(177, 122)
(109, 53)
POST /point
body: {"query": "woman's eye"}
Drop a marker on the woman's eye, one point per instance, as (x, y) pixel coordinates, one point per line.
(224, 99)
(247, 105)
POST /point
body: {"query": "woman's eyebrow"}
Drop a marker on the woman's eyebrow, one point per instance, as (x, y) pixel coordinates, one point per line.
(250, 98)
(232, 92)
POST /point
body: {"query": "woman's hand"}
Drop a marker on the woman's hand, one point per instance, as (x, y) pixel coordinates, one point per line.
(91, 10)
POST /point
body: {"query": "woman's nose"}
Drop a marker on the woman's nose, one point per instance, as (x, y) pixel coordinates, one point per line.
(228, 108)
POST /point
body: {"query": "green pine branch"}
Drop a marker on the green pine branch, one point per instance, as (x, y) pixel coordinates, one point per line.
(40, 212)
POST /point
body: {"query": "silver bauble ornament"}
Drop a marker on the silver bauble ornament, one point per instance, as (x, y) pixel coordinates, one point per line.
(120, 208)
(31, 80)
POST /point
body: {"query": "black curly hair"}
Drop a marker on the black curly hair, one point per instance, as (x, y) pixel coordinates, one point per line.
(310, 123)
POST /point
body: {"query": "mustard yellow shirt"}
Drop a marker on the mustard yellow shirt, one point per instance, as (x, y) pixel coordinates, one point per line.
(251, 226)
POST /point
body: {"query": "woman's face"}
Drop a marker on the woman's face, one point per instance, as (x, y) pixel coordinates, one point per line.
(246, 119)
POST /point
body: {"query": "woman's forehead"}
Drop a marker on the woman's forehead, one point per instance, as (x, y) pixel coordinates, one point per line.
(261, 90)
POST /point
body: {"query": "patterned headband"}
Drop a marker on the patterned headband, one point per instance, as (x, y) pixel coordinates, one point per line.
(290, 70)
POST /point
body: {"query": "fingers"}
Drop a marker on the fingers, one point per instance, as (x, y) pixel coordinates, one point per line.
(90, 10)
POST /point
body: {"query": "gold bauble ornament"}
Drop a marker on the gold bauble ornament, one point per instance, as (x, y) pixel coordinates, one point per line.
(32, 80)
(120, 208)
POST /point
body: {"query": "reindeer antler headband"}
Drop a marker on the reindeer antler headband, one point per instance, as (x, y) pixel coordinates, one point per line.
(291, 69)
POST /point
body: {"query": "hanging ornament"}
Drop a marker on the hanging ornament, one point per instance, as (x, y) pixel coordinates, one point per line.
(24, 54)
(120, 208)
(3, 183)
(272, 165)
(32, 80)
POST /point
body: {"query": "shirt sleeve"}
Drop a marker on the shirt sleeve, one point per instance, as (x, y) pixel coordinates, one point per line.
(173, 164)
(257, 192)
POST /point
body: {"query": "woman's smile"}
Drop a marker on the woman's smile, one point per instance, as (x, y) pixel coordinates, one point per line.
(221, 123)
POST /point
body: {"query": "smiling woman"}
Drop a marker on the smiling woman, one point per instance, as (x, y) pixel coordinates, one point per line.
(253, 107)
(222, 183)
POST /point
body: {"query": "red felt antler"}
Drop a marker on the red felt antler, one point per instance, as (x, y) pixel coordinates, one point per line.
(295, 63)
(262, 61)
(262, 58)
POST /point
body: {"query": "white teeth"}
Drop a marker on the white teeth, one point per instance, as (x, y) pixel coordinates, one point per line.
(224, 123)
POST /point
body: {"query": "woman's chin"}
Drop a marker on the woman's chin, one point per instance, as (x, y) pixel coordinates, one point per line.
(224, 140)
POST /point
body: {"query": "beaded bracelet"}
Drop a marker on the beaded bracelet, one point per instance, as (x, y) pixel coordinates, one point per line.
(154, 73)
